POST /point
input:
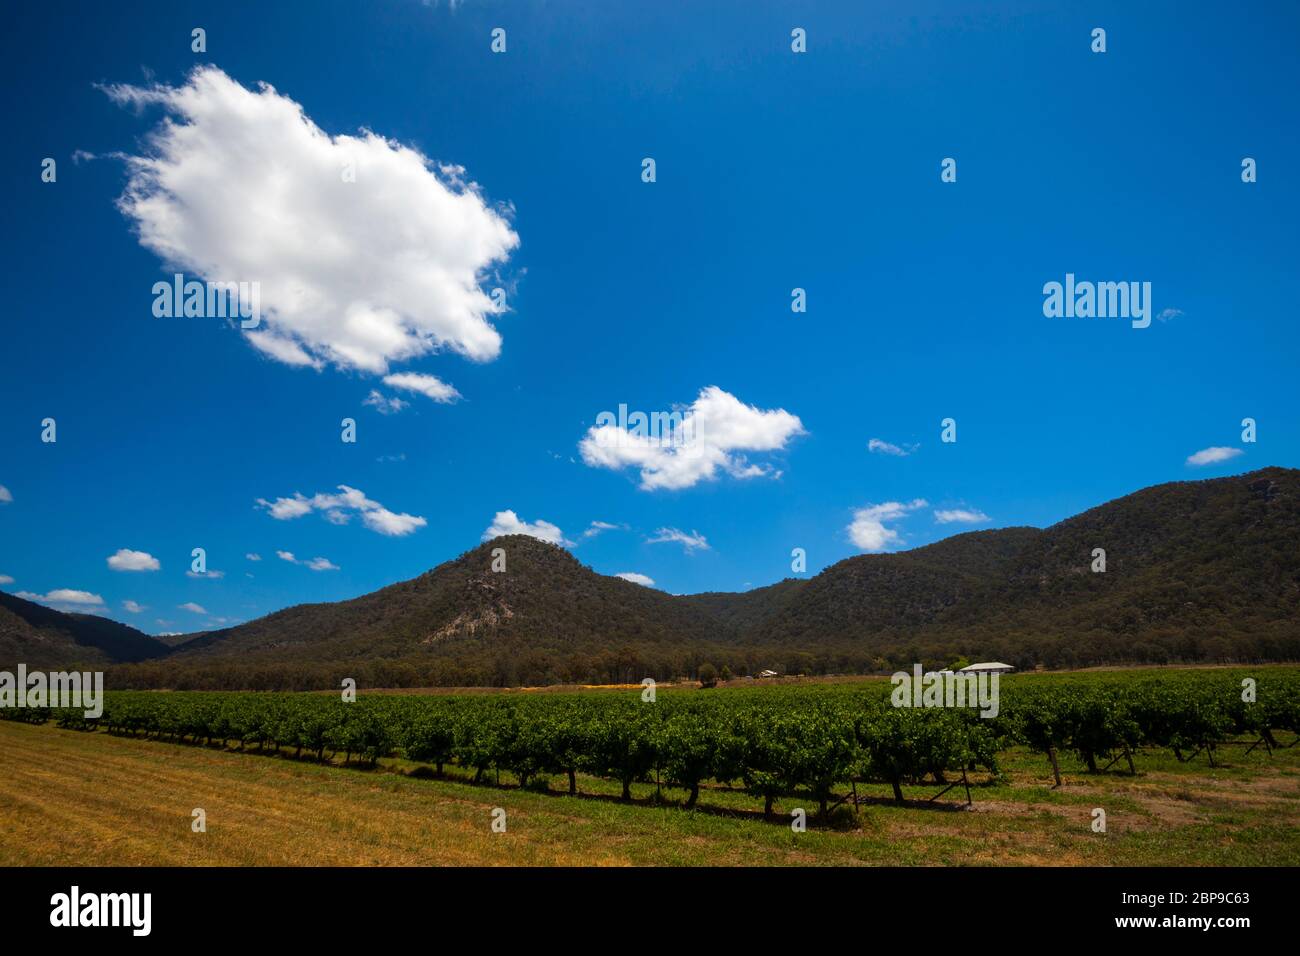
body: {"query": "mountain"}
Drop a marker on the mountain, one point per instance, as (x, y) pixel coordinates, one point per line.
(1204, 570)
(543, 599)
(1194, 571)
(44, 638)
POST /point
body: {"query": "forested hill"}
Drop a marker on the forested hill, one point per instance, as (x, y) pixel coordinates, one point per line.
(1194, 571)
(42, 637)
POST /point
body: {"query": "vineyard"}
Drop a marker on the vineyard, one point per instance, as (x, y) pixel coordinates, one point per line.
(819, 740)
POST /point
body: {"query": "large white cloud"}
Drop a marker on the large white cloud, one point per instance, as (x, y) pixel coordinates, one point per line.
(339, 509)
(713, 430)
(241, 185)
(507, 522)
(868, 531)
(127, 560)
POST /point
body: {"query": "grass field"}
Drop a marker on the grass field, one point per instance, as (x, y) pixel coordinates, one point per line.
(73, 798)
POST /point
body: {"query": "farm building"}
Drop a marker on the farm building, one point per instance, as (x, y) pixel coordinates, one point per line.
(988, 667)
(767, 674)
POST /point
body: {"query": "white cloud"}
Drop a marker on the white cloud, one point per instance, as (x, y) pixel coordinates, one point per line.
(383, 404)
(598, 526)
(1168, 315)
(689, 542)
(315, 564)
(284, 509)
(192, 607)
(713, 430)
(961, 516)
(240, 184)
(6, 495)
(253, 557)
(338, 509)
(428, 385)
(636, 578)
(879, 447)
(65, 596)
(6, 579)
(128, 560)
(867, 530)
(1212, 456)
(133, 607)
(210, 575)
(507, 522)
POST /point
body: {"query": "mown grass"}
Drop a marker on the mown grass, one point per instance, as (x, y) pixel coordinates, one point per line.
(71, 798)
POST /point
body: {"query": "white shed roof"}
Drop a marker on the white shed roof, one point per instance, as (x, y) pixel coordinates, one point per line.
(989, 666)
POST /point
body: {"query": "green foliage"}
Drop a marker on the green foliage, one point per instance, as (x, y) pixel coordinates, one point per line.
(777, 741)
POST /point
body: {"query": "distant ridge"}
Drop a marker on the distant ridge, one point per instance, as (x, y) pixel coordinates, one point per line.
(42, 637)
(1195, 571)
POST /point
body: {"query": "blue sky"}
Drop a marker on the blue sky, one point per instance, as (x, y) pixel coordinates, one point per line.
(774, 171)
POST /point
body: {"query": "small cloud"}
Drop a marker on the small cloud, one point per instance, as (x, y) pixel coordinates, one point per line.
(636, 578)
(212, 575)
(133, 607)
(192, 607)
(65, 596)
(867, 530)
(880, 447)
(1212, 456)
(400, 456)
(383, 404)
(128, 560)
(316, 564)
(6, 579)
(1168, 315)
(5, 495)
(428, 385)
(691, 444)
(253, 557)
(961, 516)
(598, 526)
(689, 542)
(338, 509)
(507, 522)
